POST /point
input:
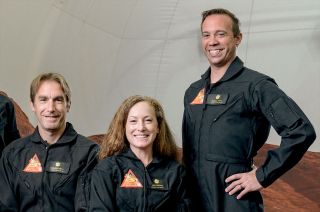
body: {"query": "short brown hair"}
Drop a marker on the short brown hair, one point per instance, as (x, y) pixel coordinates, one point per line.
(221, 11)
(115, 140)
(34, 87)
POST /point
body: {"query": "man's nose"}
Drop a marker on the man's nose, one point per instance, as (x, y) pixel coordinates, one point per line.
(51, 105)
(212, 39)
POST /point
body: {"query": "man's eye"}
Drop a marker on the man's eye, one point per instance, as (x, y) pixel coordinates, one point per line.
(221, 34)
(205, 35)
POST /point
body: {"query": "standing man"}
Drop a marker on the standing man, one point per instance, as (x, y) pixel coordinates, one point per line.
(227, 118)
(8, 125)
(48, 170)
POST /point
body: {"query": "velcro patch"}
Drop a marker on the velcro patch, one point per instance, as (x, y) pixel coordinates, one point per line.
(34, 165)
(199, 98)
(217, 99)
(58, 167)
(130, 181)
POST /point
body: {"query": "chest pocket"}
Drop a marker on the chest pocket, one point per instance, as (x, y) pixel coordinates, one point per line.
(29, 184)
(129, 199)
(235, 106)
(165, 201)
(64, 179)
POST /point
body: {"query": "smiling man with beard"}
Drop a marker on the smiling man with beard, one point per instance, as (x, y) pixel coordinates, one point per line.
(48, 170)
(227, 118)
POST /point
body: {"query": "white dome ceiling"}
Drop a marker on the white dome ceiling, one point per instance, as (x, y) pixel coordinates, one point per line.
(111, 49)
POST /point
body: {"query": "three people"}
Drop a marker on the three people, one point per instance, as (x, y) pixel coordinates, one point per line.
(8, 126)
(227, 118)
(138, 170)
(48, 170)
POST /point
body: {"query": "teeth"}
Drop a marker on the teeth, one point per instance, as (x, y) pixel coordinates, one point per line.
(214, 52)
(143, 136)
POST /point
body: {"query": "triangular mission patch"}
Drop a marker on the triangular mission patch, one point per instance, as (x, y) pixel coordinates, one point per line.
(34, 165)
(199, 98)
(130, 181)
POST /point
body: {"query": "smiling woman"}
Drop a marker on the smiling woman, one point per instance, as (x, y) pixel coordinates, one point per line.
(139, 170)
(141, 130)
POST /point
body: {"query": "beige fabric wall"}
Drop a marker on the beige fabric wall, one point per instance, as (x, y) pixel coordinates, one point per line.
(110, 49)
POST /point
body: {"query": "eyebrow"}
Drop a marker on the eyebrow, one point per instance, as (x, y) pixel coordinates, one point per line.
(46, 97)
(137, 117)
(219, 30)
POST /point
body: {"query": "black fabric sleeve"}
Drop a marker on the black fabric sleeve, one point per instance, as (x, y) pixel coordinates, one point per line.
(8, 126)
(184, 201)
(13, 132)
(8, 200)
(83, 185)
(289, 121)
(102, 196)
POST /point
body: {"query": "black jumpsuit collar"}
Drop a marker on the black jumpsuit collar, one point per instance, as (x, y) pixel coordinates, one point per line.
(67, 136)
(234, 68)
(129, 154)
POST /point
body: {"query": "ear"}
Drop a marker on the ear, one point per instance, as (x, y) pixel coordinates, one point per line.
(32, 106)
(68, 106)
(238, 39)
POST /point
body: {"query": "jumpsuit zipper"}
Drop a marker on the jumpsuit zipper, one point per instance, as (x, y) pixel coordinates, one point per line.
(144, 190)
(43, 175)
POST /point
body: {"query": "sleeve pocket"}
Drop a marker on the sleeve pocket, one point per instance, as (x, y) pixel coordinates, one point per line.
(284, 116)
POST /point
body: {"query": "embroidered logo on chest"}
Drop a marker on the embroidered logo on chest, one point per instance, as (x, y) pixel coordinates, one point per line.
(130, 181)
(34, 165)
(58, 167)
(217, 99)
(157, 184)
(199, 98)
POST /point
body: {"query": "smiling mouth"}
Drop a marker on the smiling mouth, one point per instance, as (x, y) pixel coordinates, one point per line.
(141, 136)
(51, 117)
(215, 52)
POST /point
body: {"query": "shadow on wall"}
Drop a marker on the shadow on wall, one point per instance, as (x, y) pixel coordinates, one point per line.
(297, 190)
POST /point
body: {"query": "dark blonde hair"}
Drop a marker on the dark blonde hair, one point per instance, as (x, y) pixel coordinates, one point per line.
(35, 85)
(115, 140)
(221, 11)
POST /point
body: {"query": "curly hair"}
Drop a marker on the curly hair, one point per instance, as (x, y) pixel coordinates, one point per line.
(115, 140)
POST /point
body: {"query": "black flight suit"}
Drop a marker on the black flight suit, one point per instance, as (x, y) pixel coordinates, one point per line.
(8, 125)
(35, 176)
(226, 123)
(122, 183)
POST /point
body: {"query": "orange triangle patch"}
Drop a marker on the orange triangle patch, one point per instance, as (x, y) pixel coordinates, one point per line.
(199, 98)
(131, 181)
(34, 165)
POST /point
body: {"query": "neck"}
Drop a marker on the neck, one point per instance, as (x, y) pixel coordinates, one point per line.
(145, 155)
(51, 137)
(217, 72)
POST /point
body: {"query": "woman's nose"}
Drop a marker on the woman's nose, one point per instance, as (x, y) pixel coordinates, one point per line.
(141, 125)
